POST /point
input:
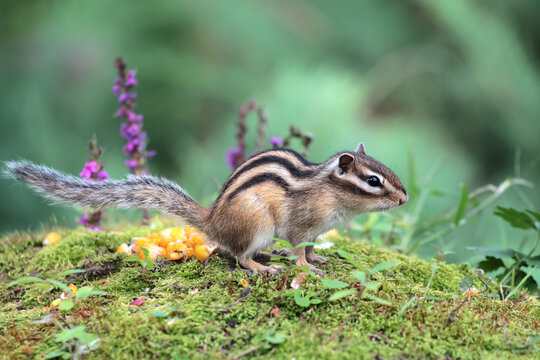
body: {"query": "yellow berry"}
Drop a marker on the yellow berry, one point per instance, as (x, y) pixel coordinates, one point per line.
(73, 288)
(176, 250)
(56, 302)
(124, 248)
(201, 252)
(51, 238)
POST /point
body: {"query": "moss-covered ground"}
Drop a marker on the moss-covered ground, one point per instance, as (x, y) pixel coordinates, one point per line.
(201, 310)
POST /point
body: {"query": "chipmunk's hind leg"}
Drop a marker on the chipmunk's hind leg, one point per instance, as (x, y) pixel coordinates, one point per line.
(312, 258)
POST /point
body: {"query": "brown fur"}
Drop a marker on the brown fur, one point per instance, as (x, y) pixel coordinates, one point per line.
(276, 193)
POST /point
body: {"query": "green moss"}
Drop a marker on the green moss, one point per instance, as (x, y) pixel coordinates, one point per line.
(206, 316)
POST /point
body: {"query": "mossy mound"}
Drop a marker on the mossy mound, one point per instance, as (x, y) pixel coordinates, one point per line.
(195, 310)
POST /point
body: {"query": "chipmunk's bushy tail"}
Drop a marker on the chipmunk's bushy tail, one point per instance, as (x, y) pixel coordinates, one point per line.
(134, 192)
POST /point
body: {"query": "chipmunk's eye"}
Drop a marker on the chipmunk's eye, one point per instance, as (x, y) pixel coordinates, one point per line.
(374, 181)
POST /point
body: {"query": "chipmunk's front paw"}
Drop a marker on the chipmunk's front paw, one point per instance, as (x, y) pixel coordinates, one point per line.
(317, 259)
(275, 269)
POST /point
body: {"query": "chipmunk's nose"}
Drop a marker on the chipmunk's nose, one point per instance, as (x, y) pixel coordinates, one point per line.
(403, 198)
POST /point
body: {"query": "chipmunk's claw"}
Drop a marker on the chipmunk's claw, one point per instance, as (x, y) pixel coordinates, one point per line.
(275, 269)
(317, 260)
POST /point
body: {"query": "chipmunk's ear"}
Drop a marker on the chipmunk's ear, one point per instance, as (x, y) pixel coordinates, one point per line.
(361, 149)
(346, 163)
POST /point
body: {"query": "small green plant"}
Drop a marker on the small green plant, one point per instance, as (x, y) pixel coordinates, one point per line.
(363, 281)
(74, 341)
(147, 263)
(46, 285)
(509, 266)
(301, 298)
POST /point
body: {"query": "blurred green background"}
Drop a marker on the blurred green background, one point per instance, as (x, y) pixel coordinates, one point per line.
(455, 82)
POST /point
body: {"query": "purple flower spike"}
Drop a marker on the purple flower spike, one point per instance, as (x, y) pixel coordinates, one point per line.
(276, 141)
(93, 171)
(132, 128)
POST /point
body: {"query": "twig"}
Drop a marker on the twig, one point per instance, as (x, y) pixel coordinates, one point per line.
(250, 350)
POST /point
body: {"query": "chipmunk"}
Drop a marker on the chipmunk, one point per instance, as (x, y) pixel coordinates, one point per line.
(274, 194)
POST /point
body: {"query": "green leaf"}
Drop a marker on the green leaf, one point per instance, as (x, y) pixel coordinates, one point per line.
(283, 242)
(147, 262)
(494, 252)
(315, 301)
(159, 314)
(379, 300)
(86, 291)
(56, 353)
(372, 285)
(45, 287)
(535, 273)
(383, 266)
(407, 304)
(517, 219)
(278, 338)
(520, 283)
(300, 299)
(278, 263)
(535, 260)
(464, 199)
(349, 258)
(341, 294)
(60, 285)
(69, 334)
(360, 275)
(534, 214)
(132, 258)
(66, 305)
(304, 244)
(490, 264)
(68, 272)
(334, 284)
(24, 280)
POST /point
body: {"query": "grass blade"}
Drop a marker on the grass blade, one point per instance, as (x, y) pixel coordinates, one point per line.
(407, 304)
(383, 266)
(462, 205)
(520, 284)
(431, 278)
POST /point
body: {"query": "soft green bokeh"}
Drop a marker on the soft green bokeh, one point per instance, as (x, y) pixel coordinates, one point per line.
(454, 79)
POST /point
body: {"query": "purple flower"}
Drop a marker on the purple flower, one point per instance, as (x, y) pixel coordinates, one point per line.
(118, 81)
(233, 157)
(130, 163)
(93, 227)
(150, 154)
(122, 112)
(125, 97)
(116, 90)
(90, 168)
(102, 175)
(137, 118)
(276, 141)
(84, 219)
(133, 130)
